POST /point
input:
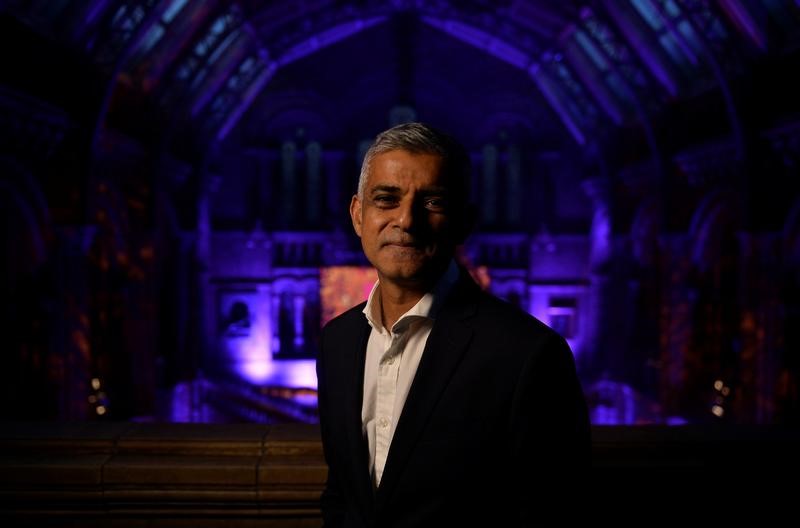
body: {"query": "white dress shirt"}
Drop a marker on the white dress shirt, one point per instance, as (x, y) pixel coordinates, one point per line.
(391, 363)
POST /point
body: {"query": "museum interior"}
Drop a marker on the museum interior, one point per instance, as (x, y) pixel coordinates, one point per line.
(175, 177)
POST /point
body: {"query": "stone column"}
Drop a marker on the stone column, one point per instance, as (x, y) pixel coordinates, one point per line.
(203, 304)
(263, 329)
(676, 325)
(514, 189)
(489, 178)
(69, 357)
(288, 184)
(337, 194)
(275, 319)
(603, 326)
(313, 183)
(298, 307)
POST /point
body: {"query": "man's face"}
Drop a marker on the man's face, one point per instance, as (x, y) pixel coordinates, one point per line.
(405, 218)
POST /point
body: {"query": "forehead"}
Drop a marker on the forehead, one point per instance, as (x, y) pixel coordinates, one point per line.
(402, 168)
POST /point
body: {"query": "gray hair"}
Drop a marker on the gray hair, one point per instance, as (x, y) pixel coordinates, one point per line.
(420, 138)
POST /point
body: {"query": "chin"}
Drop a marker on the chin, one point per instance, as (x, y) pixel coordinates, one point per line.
(414, 275)
(404, 275)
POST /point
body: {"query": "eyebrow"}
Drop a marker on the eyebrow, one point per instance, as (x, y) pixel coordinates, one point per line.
(384, 188)
(441, 190)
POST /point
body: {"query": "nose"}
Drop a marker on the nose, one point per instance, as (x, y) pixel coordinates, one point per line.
(407, 215)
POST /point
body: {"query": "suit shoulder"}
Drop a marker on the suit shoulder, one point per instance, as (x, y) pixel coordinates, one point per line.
(513, 320)
(347, 319)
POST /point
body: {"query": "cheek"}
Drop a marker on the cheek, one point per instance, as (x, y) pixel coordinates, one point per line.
(376, 222)
(441, 226)
(371, 228)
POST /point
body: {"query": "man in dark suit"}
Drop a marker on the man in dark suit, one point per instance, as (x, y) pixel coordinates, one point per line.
(440, 405)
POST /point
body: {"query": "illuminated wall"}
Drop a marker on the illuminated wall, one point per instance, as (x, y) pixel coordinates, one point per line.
(175, 175)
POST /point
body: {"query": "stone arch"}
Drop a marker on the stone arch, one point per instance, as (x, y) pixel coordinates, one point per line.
(715, 218)
(27, 299)
(25, 241)
(292, 113)
(24, 197)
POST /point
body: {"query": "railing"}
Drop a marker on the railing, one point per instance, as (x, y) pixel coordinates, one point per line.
(195, 474)
(121, 474)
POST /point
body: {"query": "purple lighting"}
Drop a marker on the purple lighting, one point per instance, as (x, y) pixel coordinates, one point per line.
(744, 22)
(249, 326)
(251, 358)
(547, 304)
(249, 354)
(481, 40)
(641, 43)
(247, 100)
(550, 92)
(92, 13)
(328, 37)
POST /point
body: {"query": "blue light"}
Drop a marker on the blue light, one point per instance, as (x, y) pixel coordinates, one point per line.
(591, 50)
(223, 46)
(173, 10)
(672, 9)
(649, 13)
(689, 34)
(152, 38)
(668, 43)
(218, 26)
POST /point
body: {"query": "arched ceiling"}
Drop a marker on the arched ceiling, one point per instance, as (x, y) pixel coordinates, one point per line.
(350, 86)
(557, 68)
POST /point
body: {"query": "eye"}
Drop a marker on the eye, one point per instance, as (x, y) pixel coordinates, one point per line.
(436, 203)
(384, 200)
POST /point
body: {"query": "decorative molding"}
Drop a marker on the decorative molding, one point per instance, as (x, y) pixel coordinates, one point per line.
(500, 250)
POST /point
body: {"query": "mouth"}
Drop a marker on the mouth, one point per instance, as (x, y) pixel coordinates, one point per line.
(402, 245)
(404, 250)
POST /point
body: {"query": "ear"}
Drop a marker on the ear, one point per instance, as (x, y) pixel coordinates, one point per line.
(355, 214)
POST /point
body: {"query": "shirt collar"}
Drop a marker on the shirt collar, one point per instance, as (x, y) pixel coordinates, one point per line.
(427, 307)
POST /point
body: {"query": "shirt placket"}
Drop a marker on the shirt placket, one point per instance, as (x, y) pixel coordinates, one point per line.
(388, 371)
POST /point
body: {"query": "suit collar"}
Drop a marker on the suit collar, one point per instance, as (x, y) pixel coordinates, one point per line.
(428, 306)
(444, 349)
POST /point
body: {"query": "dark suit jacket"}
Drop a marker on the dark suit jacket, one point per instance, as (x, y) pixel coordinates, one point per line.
(495, 407)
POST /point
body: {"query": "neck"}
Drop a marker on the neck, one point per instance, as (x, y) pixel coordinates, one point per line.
(397, 300)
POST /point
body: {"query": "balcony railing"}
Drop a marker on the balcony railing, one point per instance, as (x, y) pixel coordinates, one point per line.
(135, 474)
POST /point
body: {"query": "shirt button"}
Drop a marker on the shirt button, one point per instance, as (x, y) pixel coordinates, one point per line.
(390, 361)
(383, 423)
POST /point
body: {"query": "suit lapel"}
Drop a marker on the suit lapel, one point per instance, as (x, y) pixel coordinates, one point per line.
(359, 451)
(446, 345)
